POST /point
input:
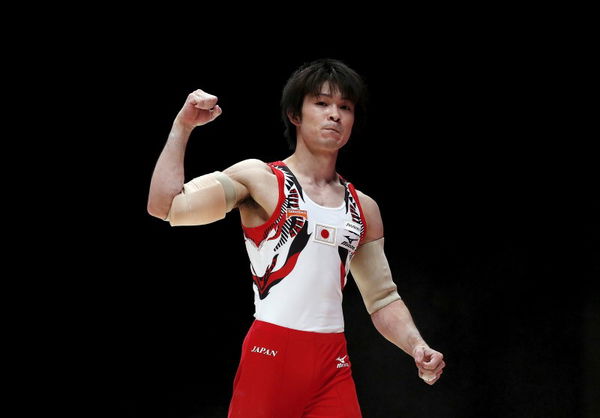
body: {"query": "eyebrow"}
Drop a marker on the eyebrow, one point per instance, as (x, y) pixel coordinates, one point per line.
(329, 95)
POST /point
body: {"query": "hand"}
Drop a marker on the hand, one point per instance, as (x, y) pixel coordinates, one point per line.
(199, 109)
(429, 362)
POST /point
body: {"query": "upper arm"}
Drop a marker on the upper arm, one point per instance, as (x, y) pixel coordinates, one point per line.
(208, 198)
(247, 176)
(369, 266)
(372, 216)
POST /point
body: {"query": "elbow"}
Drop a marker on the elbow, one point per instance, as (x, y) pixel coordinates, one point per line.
(160, 201)
(386, 307)
(157, 210)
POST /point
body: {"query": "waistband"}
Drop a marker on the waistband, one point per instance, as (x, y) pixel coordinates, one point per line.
(278, 330)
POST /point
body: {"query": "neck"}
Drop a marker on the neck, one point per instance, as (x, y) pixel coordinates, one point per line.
(318, 168)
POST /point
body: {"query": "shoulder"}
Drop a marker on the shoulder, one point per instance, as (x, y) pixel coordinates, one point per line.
(372, 215)
(249, 164)
(249, 170)
(253, 175)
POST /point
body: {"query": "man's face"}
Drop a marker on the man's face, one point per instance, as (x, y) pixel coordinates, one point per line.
(326, 120)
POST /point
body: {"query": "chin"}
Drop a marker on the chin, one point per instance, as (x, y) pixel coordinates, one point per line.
(337, 138)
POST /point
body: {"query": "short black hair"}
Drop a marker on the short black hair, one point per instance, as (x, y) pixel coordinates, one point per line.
(309, 78)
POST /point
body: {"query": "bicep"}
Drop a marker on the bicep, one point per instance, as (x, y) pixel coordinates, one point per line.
(372, 216)
(203, 200)
(210, 197)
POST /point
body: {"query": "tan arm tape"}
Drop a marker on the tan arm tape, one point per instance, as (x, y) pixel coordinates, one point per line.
(373, 277)
(228, 188)
(203, 200)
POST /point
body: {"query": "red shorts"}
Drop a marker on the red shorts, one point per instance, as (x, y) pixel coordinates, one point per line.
(293, 374)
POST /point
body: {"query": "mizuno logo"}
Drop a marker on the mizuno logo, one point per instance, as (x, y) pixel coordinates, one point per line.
(342, 362)
(265, 351)
(349, 243)
(350, 239)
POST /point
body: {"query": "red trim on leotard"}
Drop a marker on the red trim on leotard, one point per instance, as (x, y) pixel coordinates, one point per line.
(258, 233)
(342, 273)
(362, 213)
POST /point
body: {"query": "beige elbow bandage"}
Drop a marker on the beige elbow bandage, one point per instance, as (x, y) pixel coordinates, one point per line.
(373, 277)
(203, 200)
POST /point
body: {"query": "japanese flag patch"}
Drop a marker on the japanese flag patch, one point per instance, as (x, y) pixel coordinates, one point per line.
(325, 234)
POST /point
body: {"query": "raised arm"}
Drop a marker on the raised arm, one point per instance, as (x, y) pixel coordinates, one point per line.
(168, 177)
(389, 314)
(248, 185)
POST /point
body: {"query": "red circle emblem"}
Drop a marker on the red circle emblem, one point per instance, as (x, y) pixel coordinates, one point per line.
(325, 233)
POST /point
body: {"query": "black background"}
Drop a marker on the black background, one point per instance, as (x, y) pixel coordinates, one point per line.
(486, 187)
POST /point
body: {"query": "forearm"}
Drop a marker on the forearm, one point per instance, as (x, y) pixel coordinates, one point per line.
(395, 323)
(168, 176)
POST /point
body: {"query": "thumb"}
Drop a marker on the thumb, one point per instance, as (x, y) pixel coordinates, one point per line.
(215, 112)
(419, 353)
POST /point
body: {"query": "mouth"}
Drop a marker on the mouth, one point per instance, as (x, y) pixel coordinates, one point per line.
(331, 128)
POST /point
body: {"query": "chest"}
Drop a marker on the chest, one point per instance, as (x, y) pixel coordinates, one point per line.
(330, 197)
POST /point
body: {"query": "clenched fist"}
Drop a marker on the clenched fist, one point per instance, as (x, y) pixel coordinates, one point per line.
(430, 363)
(199, 109)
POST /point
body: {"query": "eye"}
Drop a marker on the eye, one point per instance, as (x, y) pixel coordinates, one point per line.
(346, 107)
(321, 103)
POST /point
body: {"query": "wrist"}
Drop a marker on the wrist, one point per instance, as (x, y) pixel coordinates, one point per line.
(182, 129)
(415, 343)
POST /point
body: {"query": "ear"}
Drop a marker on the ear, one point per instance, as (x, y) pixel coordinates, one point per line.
(294, 119)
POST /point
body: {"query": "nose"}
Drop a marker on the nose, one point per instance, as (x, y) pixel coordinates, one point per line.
(334, 114)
